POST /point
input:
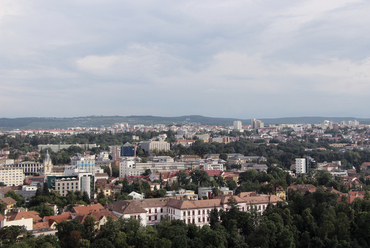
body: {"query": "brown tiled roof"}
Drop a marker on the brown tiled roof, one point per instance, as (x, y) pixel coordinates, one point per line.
(188, 204)
(303, 188)
(1, 217)
(126, 207)
(41, 225)
(5, 190)
(88, 209)
(59, 218)
(24, 215)
(8, 200)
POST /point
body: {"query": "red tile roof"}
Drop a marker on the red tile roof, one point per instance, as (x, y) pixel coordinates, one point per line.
(88, 209)
(8, 201)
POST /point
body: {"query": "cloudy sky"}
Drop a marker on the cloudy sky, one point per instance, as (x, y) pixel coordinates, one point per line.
(242, 59)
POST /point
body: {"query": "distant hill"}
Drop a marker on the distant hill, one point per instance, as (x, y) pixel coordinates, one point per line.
(98, 121)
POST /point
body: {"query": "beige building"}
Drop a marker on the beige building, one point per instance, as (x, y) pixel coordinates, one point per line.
(11, 175)
(151, 211)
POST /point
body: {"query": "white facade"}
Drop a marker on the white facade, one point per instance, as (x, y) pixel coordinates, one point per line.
(131, 168)
(300, 166)
(237, 125)
(149, 146)
(11, 175)
(28, 223)
(86, 162)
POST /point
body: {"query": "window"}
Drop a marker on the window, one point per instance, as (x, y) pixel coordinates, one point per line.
(203, 219)
(155, 217)
(259, 207)
(193, 212)
(198, 211)
(184, 213)
(150, 211)
(198, 219)
(150, 217)
(155, 210)
(203, 211)
(188, 212)
(161, 210)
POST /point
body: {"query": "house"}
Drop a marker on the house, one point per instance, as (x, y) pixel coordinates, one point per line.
(21, 217)
(88, 209)
(10, 203)
(135, 195)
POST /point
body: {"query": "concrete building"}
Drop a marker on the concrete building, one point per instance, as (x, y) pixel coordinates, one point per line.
(129, 167)
(30, 168)
(257, 124)
(237, 125)
(10, 175)
(300, 166)
(149, 146)
(58, 147)
(84, 162)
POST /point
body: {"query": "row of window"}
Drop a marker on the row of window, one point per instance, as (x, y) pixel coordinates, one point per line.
(199, 212)
(155, 210)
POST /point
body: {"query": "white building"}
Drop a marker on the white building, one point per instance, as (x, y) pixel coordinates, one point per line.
(237, 125)
(149, 146)
(84, 162)
(300, 166)
(129, 167)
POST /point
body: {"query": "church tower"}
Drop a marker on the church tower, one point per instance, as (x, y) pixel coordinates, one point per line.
(48, 165)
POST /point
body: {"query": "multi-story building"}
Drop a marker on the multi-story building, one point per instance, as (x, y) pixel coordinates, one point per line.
(257, 124)
(128, 150)
(300, 166)
(129, 167)
(149, 146)
(84, 162)
(152, 211)
(10, 175)
(73, 180)
(237, 125)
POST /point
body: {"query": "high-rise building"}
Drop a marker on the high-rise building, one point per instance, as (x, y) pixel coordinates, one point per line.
(237, 125)
(257, 124)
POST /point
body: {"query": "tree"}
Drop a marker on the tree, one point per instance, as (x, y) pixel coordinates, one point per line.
(9, 234)
(89, 227)
(147, 172)
(43, 210)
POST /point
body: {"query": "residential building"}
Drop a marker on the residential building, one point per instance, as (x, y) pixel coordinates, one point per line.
(10, 175)
(149, 146)
(237, 125)
(257, 124)
(300, 166)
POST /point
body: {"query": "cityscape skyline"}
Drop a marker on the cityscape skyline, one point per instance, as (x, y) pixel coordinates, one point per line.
(236, 59)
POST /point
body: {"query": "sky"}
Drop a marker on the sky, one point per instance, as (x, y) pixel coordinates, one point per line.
(240, 59)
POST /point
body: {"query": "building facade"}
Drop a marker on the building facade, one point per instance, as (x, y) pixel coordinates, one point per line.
(10, 175)
(149, 146)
